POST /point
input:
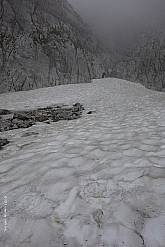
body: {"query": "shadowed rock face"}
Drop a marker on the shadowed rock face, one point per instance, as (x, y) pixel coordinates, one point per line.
(44, 43)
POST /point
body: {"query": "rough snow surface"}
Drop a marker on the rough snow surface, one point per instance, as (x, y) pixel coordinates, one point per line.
(93, 182)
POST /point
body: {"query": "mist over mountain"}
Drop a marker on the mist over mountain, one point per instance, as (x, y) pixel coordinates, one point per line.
(120, 12)
(112, 18)
(134, 33)
(46, 43)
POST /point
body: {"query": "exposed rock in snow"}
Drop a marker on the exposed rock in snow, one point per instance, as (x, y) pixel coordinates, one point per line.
(25, 119)
(3, 142)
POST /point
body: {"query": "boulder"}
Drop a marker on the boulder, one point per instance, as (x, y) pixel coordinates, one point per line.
(3, 142)
(4, 112)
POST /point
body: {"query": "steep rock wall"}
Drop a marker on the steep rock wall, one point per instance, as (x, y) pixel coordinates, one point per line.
(144, 60)
(44, 43)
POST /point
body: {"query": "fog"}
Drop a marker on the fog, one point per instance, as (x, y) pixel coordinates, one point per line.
(120, 18)
(140, 11)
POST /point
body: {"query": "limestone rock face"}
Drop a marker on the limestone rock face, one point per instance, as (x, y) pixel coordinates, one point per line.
(143, 60)
(44, 43)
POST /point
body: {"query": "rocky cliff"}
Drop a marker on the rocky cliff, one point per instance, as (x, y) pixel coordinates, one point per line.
(144, 60)
(44, 43)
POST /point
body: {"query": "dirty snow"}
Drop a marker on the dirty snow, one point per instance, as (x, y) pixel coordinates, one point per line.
(95, 181)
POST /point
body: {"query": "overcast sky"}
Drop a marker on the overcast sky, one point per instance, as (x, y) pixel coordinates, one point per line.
(119, 11)
(118, 22)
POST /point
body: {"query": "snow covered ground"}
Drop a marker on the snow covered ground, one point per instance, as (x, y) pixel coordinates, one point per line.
(95, 181)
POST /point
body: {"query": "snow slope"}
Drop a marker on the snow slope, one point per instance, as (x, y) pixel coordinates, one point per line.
(95, 181)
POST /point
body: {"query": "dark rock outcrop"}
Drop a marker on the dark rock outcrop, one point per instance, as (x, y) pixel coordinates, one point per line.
(3, 142)
(4, 112)
(25, 119)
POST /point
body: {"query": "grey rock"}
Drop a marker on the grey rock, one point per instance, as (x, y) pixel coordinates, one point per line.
(45, 43)
(3, 142)
(28, 118)
(15, 126)
(4, 112)
(89, 112)
(78, 107)
(4, 123)
(21, 116)
(97, 216)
